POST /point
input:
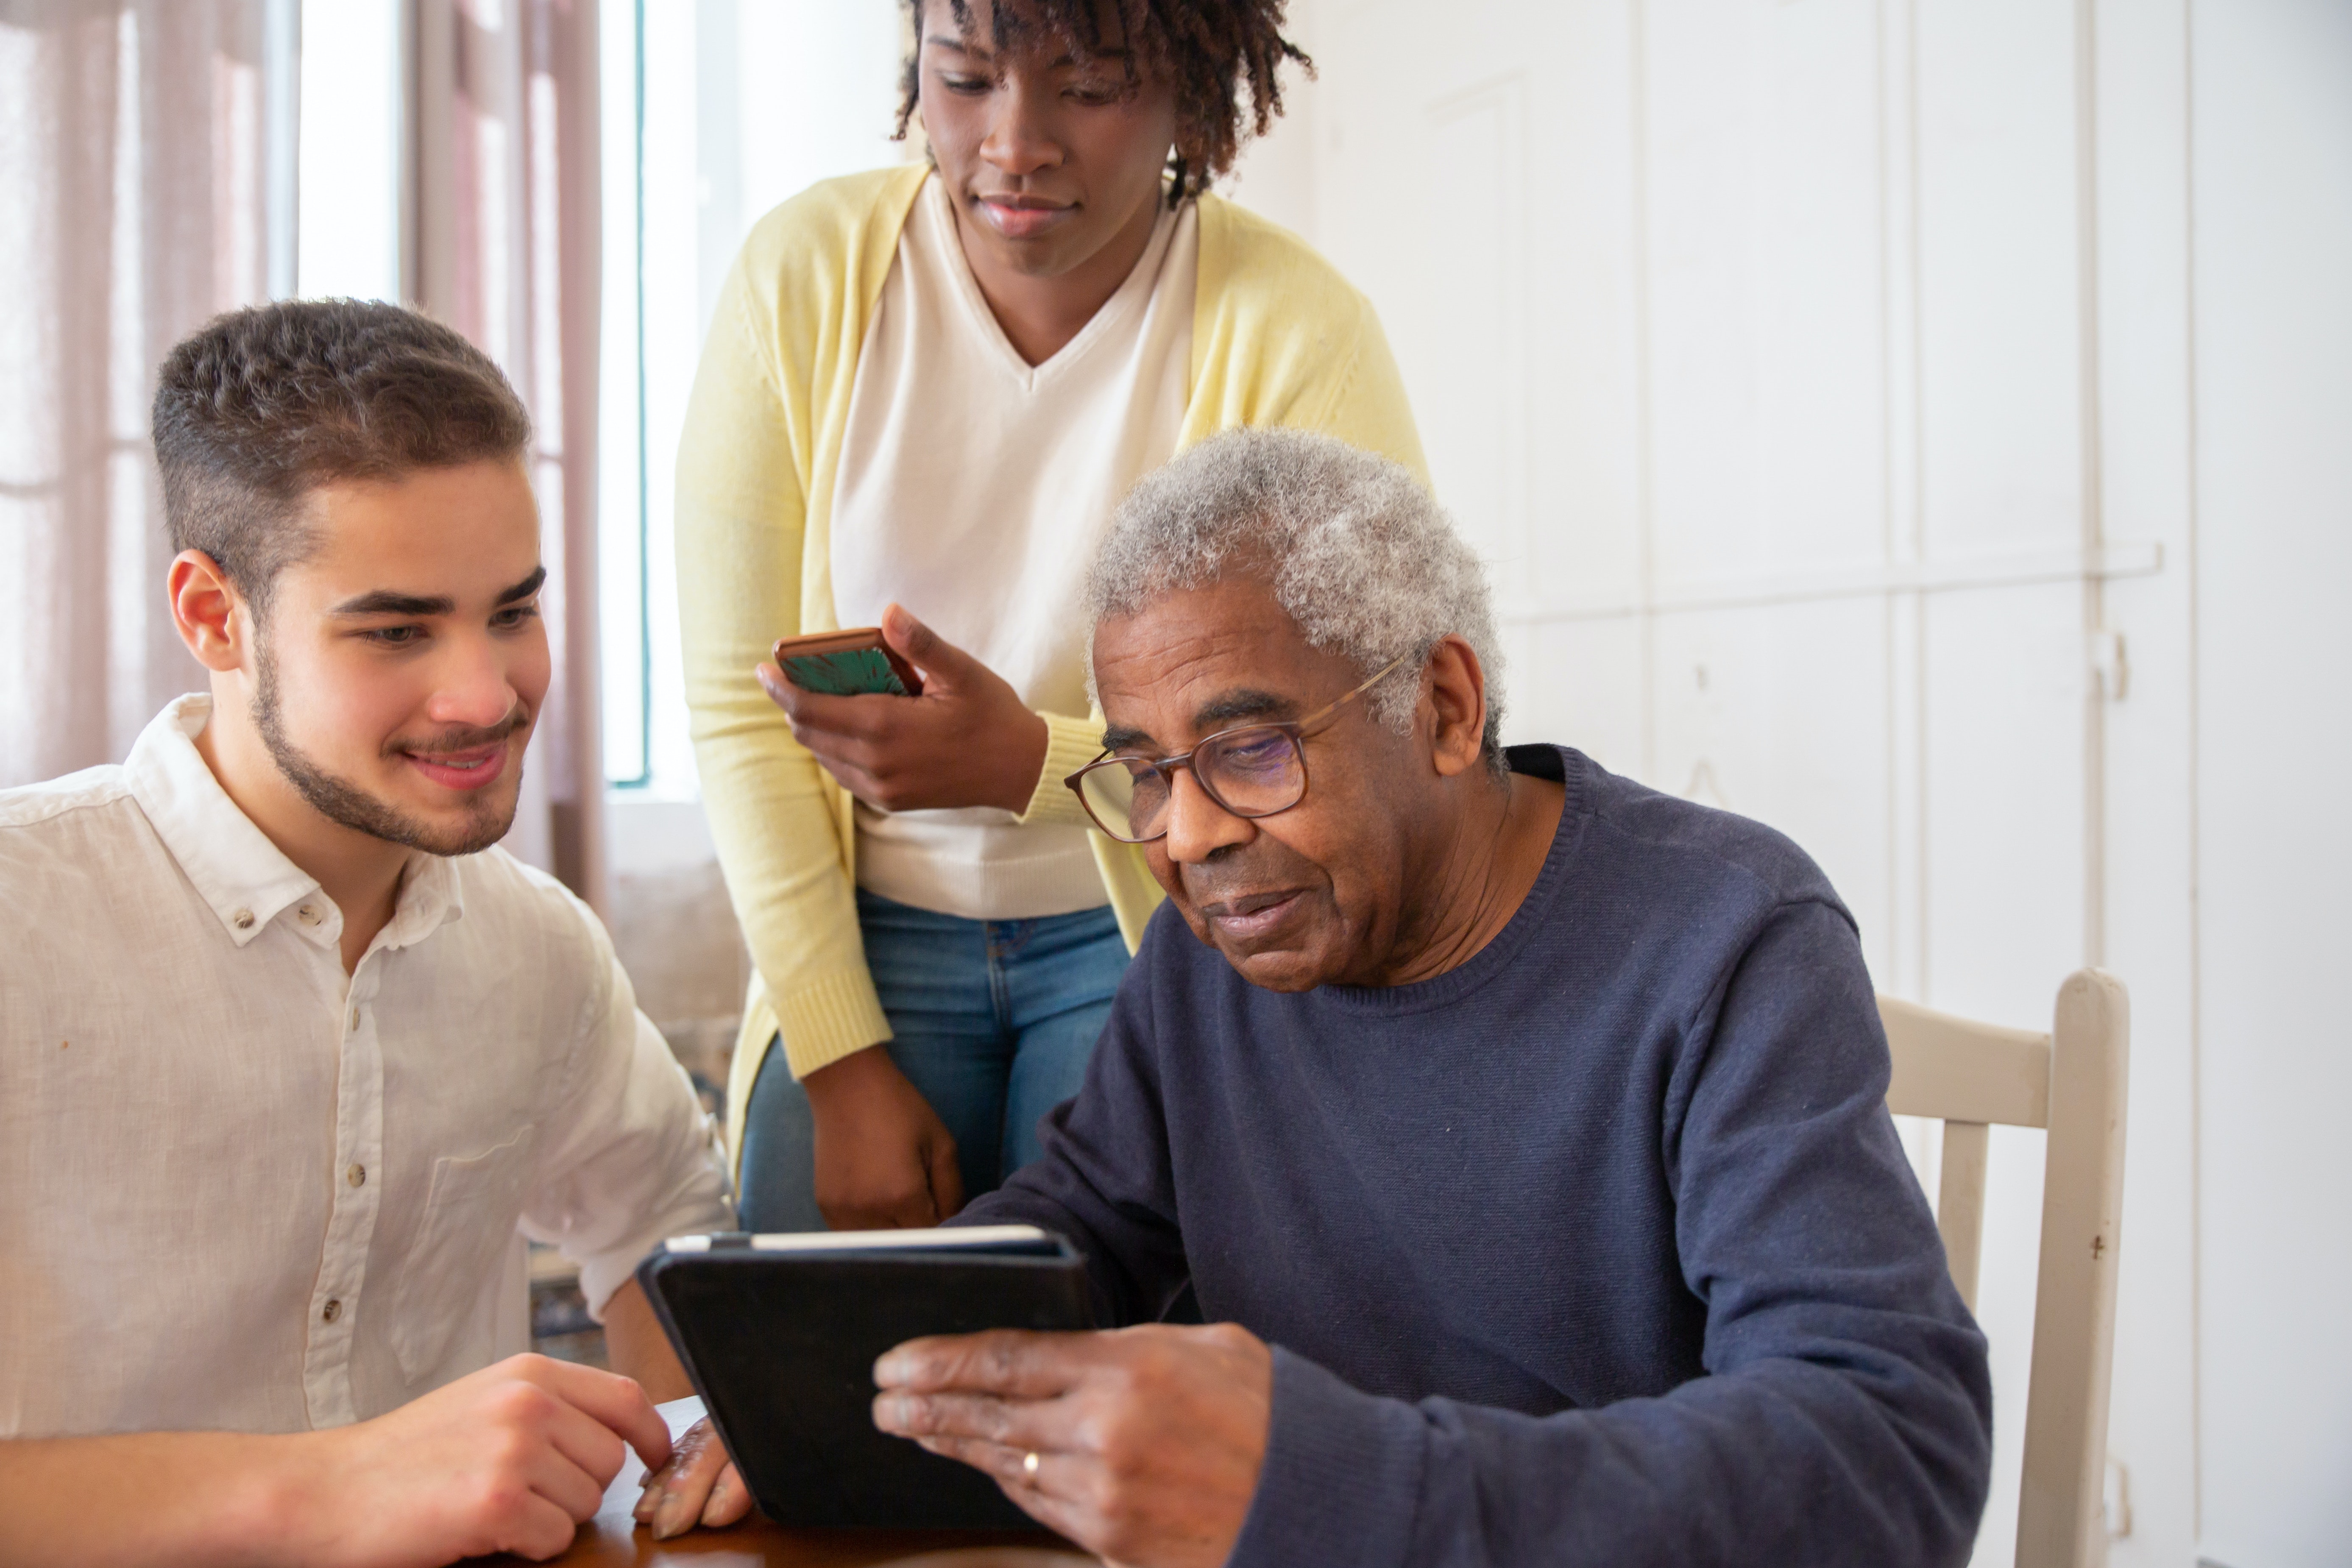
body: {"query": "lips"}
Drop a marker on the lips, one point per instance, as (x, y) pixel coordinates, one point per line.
(1250, 915)
(1022, 217)
(469, 770)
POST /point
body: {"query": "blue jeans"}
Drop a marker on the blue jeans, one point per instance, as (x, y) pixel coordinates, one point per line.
(994, 1023)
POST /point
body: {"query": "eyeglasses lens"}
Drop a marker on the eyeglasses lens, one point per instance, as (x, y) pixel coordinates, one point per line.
(1125, 799)
(1254, 772)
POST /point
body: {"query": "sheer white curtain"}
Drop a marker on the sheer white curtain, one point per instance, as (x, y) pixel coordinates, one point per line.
(503, 235)
(147, 157)
(138, 195)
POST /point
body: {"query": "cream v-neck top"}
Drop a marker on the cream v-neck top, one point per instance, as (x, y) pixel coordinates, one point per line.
(973, 489)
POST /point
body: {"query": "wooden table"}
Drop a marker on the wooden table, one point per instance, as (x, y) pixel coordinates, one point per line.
(613, 1538)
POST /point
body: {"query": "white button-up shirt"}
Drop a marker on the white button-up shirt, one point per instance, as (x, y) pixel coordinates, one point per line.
(242, 1190)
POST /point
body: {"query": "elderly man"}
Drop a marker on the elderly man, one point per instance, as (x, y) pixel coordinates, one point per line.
(1521, 1130)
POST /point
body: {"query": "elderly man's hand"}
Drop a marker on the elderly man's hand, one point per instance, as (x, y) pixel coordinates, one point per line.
(1146, 1441)
(700, 1485)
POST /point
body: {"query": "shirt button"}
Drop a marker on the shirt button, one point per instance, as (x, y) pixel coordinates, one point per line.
(355, 1020)
(242, 920)
(308, 914)
(356, 1175)
(333, 1309)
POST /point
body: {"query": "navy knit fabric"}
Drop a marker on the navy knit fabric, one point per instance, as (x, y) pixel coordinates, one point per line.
(1598, 1249)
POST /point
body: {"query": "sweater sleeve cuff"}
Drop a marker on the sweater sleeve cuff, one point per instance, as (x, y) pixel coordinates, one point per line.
(837, 1017)
(1342, 1476)
(1070, 744)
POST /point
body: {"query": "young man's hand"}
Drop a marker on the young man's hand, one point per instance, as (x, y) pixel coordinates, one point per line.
(510, 1459)
(967, 740)
(1142, 1444)
(884, 1161)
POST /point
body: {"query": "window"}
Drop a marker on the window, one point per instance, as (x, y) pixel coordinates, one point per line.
(714, 111)
(347, 223)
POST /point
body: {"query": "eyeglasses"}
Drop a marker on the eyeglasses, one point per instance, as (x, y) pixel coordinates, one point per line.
(1253, 770)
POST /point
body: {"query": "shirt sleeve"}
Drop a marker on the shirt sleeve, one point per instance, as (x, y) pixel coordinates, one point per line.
(1366, 404)
(1845, 1416)
(632, 1159)
(1070, 744)
(741, 517)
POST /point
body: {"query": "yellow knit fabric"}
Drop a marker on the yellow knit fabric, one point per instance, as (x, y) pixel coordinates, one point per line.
(1278, 338)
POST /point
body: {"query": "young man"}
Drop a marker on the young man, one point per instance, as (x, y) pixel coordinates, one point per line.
(289, 1052)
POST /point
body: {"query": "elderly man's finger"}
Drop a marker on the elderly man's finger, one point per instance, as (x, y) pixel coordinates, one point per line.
(1007, 1465)
(1022, 1424)
(1014, 1363)
(680, 1492)
(1052, 1494)
(731, 1500)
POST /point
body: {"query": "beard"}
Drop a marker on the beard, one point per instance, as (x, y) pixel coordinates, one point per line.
(342, 802)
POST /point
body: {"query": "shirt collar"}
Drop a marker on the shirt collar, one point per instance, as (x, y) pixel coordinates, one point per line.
(246, 879)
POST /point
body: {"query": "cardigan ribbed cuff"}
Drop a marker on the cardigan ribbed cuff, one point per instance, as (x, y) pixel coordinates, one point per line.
(1070, 744)
(1341, 1478)
(836, 1016)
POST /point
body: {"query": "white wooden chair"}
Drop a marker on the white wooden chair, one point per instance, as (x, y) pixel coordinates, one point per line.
(2069, 1081)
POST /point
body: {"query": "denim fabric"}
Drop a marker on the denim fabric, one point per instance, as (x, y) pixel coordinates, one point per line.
(994, 1023)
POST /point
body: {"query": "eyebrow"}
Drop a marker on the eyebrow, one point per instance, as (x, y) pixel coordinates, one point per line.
(941, 40)
(387, 601)
(1215, 713)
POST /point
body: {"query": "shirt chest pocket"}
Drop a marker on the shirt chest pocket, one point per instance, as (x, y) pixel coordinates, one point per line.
(448, 1281)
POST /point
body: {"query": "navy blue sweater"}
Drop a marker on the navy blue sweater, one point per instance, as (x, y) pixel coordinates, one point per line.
(1597, 1248)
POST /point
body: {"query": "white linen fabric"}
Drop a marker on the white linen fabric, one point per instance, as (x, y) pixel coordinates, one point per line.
(242, 1190)
(973, 489)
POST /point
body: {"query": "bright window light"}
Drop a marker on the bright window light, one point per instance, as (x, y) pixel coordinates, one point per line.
(714, 111)
(347, 214)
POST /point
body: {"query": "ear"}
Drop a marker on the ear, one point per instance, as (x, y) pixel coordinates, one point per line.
(1457, 691)
(212, 616)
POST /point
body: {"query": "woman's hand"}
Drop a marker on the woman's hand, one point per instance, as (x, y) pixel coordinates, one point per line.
(884, 1159)
(969, 739)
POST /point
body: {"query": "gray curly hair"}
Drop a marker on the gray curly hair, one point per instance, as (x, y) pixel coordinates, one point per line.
(1359, 554)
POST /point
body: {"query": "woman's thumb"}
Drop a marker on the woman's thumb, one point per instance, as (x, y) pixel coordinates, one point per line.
(939, 660)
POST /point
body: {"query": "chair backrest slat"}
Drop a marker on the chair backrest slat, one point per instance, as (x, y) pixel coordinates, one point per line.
(1956, 1070)
(2061, 1512)
(2071, 1082)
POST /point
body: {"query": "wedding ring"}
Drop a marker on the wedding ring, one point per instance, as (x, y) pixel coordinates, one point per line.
(1029, 1464)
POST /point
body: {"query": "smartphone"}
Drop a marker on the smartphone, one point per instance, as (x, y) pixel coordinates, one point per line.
(847, 664)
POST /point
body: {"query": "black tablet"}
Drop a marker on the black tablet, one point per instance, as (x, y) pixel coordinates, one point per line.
(780, 1333)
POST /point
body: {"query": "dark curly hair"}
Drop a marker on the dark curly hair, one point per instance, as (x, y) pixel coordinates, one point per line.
(260, 406)
(1211, 49)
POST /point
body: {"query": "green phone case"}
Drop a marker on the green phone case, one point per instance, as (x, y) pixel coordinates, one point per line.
(850, 673)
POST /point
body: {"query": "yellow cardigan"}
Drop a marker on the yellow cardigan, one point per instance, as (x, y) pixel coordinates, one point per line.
(1278, 338)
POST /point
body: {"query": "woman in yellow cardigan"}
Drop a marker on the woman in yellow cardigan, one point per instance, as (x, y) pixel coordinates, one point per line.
(924, 389)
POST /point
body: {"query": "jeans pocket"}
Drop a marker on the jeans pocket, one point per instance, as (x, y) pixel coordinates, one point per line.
(470, 1212)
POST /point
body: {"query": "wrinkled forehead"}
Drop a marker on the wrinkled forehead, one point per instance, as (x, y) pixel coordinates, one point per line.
(1193, 660)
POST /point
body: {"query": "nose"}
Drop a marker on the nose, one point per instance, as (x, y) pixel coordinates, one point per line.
(1018, 142)
(1198, 827)
(475, 686)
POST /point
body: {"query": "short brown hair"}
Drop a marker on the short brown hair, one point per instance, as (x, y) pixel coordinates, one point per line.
(261, 407)
(1215, 51)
